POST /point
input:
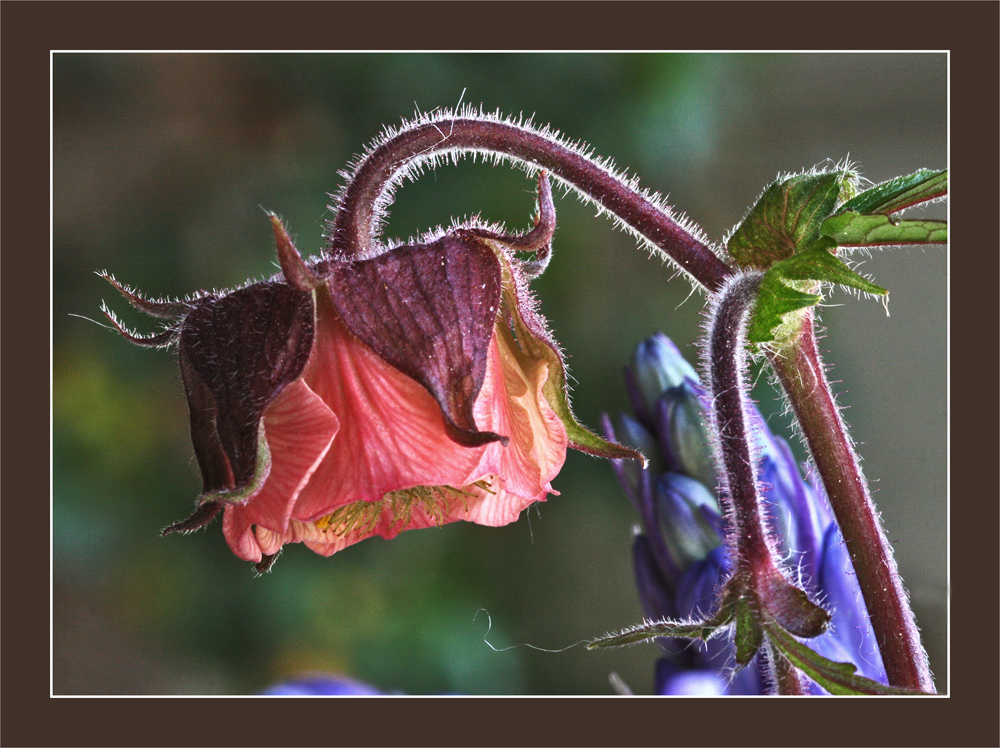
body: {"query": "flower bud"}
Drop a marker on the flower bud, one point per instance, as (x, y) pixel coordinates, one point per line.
(680, 420)
(679, 500)
(657, 366)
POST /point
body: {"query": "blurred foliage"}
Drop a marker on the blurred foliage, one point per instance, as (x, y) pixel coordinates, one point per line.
(163, 166)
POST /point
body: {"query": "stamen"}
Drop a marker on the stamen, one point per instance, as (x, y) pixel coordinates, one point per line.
(398, 506)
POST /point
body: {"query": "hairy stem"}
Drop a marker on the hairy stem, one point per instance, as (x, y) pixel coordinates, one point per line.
(358, 214)
(727, 363)
(757, 576)
(800, 369)
(788, 681)
(802, 375)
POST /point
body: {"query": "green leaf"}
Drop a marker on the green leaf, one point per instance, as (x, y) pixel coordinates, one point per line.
(780, 293)
(689, 629)
(863, 230)
(786, 218)
(899, 193)
(836, 677)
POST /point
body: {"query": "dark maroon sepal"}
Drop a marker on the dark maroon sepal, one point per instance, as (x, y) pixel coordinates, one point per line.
(158, 309)
(237, 352)
(201, 516)
(266, 562)
(791, 607)
(166, 310)
(296, 272)
(214, 463)
(429, 310)
(538, 240)
(157, 340)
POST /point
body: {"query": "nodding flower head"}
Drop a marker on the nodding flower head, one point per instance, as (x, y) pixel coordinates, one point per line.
(343, 399)
(679, 557)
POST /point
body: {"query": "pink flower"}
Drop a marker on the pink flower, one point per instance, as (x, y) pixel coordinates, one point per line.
(358, 398)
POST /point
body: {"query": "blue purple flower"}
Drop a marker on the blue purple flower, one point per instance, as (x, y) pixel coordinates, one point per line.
(321, 685)
(679, 557)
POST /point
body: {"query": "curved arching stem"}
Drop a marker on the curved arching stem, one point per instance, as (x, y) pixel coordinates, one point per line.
(737, 460)
(757, 578)
(358, 214)
(353, 236)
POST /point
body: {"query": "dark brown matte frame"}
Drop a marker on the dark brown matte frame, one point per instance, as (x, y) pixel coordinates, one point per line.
(967, 717)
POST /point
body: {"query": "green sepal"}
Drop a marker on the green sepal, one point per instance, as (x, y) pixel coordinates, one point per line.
(853, 229)
(899, 193)
(689, 629)
(838, 678)
(818, 264)
(781, 289)
(535, 346)
(749, 636)
(787, 217)
(645, 632)
(775, 300)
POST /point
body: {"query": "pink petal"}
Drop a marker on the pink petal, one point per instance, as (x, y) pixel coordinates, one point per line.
(495, 506)
(238, 531)
(392, 434)
(392, 437)
(512, 403)
(489, 505)
(270, 542)
(299, 429)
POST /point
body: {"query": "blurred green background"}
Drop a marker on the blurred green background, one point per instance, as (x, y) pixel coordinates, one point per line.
(163, 164)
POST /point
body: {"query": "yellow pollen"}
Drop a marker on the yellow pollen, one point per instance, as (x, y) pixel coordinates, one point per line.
(362, 516)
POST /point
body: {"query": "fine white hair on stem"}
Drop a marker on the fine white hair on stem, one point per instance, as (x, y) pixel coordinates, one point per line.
(443, 121)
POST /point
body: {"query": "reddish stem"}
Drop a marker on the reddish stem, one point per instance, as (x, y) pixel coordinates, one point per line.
(756, 572)
(358, 214)
(738, 463)
(788, 680)
(801, 372)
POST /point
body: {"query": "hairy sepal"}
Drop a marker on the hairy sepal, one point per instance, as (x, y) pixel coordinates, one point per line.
(647, 632)
(790, 286)
(851, 229)
(237, 353)
(838, 678)
(787, 217)
(794, 230)
(748, 636)
(428, 310)
(518, 308)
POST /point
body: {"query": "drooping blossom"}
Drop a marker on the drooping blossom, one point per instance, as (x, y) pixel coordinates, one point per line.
(344, 399)
(679, 558)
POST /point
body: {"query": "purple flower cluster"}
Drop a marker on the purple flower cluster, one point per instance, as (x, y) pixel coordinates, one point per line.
(679, 557)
